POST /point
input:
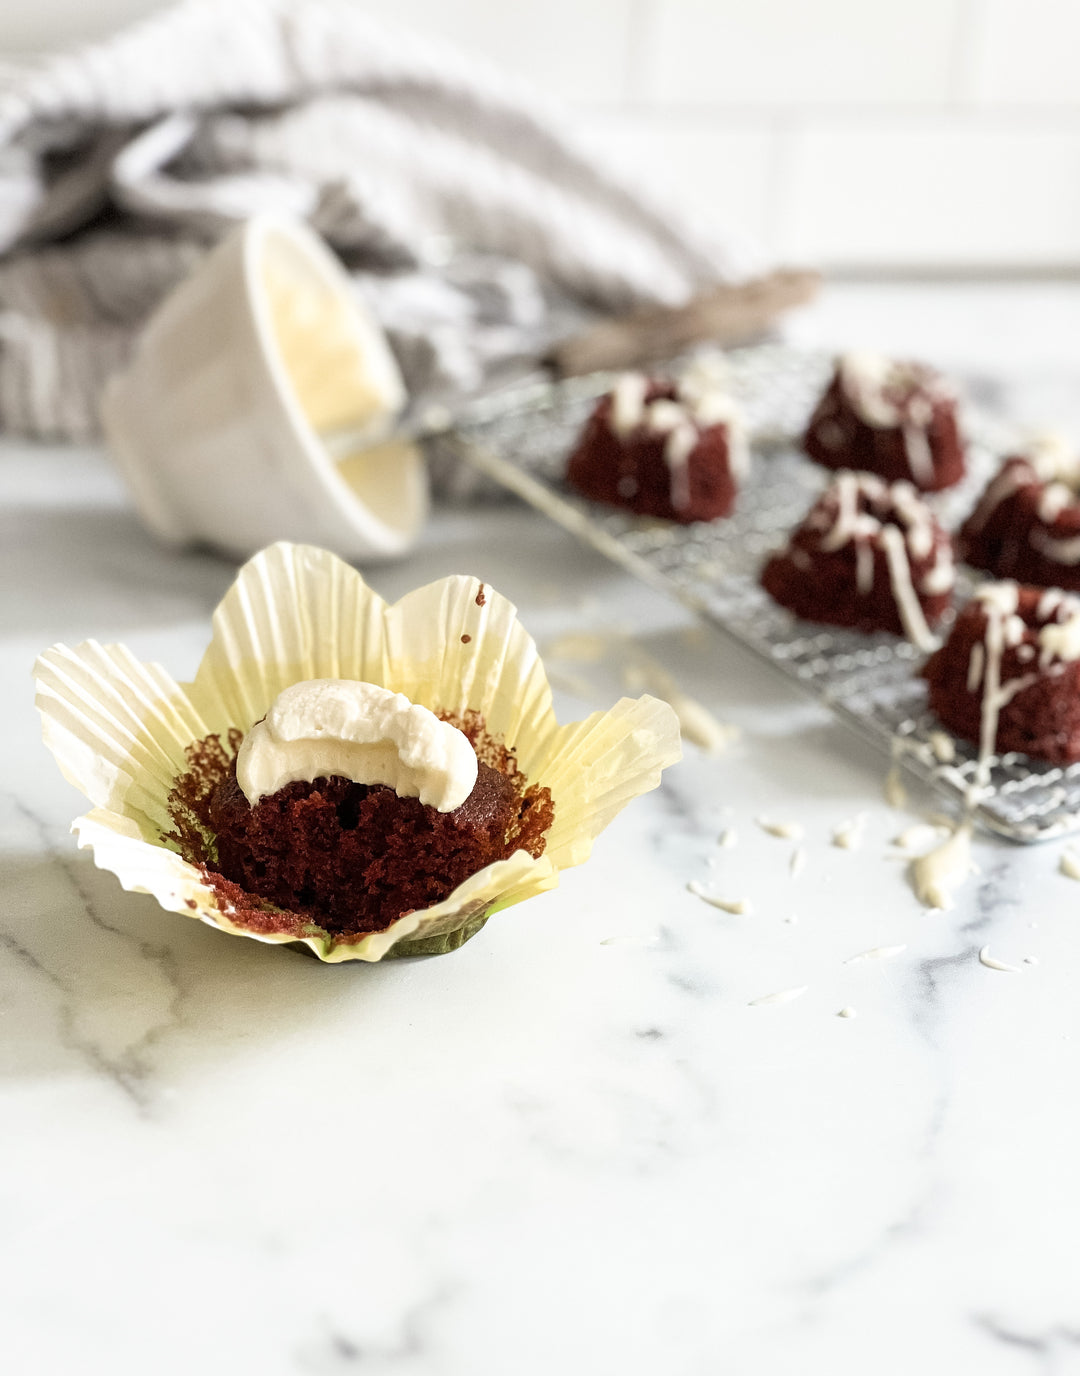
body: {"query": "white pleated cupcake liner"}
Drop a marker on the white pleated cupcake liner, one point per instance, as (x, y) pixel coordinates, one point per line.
(120, 730)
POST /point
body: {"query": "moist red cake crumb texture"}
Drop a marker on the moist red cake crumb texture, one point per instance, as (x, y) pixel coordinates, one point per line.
(1026, 525)
(1008, 676)
(345, 858)
(868, 555)
(895, 419)
(663, 449)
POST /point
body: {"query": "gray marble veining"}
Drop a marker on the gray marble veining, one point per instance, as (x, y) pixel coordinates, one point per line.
(574, 1144)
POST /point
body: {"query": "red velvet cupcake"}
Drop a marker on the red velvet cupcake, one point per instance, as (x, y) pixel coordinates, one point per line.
(870, 556)
(1008, 677)
(895, 419)
(1027, 523)
(657, 448)
(354, 858)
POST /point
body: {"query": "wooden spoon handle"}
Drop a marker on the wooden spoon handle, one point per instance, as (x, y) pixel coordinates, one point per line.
(726, 314)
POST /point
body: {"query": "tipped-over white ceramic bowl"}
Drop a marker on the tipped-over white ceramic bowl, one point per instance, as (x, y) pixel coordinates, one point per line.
(219, 423)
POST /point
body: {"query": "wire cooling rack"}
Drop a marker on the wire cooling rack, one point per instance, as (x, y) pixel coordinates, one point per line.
(522, 437)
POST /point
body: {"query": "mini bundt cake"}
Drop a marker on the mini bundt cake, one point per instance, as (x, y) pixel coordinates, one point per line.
(1027, 523)
(658, 448)
(1008, 676)
(868, 555)
(895, 419)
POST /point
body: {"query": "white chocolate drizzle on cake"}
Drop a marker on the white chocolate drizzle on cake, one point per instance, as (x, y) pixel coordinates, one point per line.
(1055, 498)
(628, 403)
(1064, 551)
(322, 728)
(702, 401)
(1057, 642)
(1049, 460)
(976, 663)
(1009, 480)
(909, 535)
(887, 394)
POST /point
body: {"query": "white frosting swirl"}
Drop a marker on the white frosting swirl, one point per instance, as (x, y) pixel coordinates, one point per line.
(324, 727)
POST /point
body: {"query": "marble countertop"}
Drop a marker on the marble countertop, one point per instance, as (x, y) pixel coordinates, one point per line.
(575, 1144)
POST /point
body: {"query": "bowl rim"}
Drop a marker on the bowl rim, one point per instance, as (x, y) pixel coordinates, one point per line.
(257, 236)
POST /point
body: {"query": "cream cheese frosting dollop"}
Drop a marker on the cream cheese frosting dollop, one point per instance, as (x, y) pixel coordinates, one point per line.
(324, 727)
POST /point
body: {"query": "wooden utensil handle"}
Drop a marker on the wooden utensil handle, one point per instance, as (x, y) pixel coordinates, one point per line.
(726, 314)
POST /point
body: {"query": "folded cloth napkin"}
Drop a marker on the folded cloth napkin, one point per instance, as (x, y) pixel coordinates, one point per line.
(476, 225)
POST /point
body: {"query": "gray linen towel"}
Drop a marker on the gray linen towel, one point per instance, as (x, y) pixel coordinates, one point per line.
(475, 223)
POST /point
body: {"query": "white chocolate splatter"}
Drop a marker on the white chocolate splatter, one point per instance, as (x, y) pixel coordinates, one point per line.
(985, 958)
(797, 863)
(936, 874)
(728, 838)
(999, 603)
(919, 835)
(876, 953)
(740, 907)
(1059, 551)
(847, 1012)
(641, 672)
(678, 446)
(1069, 864)
(781, 996)
(786, 831)
(849, 835)
(696, 722)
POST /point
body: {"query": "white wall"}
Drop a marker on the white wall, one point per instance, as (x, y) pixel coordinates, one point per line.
(860, 134)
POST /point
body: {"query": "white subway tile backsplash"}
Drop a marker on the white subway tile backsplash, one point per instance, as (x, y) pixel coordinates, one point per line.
(782, 52)
(1026, 52)
(849, 132)
(570, 49)
(905, 193)
(719, 176)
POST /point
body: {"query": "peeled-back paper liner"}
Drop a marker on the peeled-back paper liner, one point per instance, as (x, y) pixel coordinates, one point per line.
(119, 729)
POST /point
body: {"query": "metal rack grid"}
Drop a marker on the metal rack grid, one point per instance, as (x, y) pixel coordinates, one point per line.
(521, 439)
